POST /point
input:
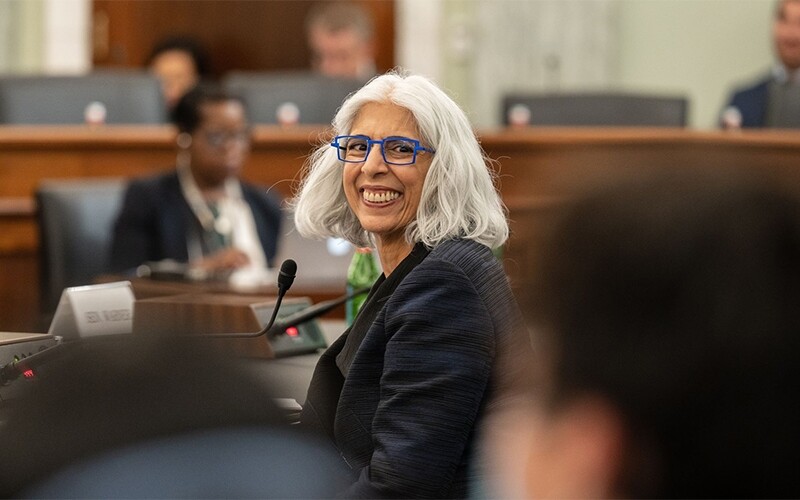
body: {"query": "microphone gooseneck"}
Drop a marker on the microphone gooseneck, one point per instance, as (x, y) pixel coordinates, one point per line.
(13, 370)
(314, 312)
(285, 279)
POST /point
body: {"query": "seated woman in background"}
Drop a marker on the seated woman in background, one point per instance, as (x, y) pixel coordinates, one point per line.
(200, 213)
(401, 393)
(180, 63)
(665, 316)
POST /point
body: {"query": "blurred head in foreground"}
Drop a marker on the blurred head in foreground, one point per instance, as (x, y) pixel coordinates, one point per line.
(155, 417)
(664, 314)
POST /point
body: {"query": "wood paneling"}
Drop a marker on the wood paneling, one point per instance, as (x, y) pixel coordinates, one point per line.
(539, 168)
(239, 34)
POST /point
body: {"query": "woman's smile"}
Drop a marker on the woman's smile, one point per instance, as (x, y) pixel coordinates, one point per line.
(379, 197)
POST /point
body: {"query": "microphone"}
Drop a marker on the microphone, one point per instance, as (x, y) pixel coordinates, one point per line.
(285, 279)
(313, 312)
(286, 275)
(12, 371)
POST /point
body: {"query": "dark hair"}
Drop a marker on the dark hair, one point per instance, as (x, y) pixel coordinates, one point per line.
(186, 114)
(198, 53)
(677, 299)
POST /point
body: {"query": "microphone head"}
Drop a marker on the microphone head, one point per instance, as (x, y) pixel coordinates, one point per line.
(287, 274)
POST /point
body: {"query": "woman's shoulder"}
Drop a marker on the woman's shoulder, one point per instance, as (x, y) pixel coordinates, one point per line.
(466, 264)
(457, 275)
(461, 261)
(462, 252)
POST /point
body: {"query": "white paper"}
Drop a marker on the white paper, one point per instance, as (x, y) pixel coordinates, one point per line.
(93, 310)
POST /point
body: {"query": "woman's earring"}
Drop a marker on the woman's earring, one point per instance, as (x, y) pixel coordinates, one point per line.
(184, 140)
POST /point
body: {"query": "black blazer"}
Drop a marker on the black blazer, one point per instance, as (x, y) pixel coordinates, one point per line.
(752, 103)
(155, 220)
(405, 416)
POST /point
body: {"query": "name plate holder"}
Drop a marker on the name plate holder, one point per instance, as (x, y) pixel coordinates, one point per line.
(94, 310)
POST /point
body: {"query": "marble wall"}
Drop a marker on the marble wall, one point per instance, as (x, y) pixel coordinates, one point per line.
(44, 36)
(486, 48)
(483, 48)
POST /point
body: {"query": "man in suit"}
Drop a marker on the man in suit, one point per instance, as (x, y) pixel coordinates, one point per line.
(340, 36)
(774, 101)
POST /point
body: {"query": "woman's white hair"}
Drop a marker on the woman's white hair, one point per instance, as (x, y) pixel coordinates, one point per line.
(459, 198)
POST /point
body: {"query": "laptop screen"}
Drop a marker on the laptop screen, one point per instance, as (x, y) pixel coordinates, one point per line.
(320, 263)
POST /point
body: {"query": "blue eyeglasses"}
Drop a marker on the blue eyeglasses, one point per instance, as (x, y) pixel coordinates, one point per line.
(395, 150)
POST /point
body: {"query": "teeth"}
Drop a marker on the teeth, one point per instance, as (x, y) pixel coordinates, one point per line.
(382, 197)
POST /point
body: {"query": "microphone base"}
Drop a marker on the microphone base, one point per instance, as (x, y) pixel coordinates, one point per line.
(229, 318)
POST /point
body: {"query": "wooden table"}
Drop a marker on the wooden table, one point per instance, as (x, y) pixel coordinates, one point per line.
(538, 168)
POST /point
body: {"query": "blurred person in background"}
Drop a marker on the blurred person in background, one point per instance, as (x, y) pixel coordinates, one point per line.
(201, 214)
(341, 38)
(774, 101)
(180, 63)
(663, 317)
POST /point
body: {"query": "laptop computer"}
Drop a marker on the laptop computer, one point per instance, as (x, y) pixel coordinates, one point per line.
(320, 263)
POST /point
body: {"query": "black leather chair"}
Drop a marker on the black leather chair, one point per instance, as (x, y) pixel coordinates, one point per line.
(317, 98)
(129, 98)
(75, 221)
(596, 109)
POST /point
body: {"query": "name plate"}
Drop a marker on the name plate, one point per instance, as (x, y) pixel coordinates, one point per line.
(94, 310)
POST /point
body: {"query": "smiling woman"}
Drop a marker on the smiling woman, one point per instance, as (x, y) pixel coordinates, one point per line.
(401, 393)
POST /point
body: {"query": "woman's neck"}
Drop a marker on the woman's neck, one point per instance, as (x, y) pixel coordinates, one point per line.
(210, 191)
(214, 193)
(392, 253)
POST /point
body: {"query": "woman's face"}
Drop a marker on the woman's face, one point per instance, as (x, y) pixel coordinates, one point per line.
(220, 144)
(385, 197)
(177, 73)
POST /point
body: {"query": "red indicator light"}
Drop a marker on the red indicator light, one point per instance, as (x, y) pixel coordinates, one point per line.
(29, 373)
(292, 331)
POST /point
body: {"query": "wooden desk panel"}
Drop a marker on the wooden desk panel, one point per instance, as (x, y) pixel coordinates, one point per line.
(553, 162)
(538, 168)
(29, 154)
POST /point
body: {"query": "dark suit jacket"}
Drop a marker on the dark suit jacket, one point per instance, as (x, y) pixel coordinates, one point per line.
(155, 220)
(405, 416)
(752, 103)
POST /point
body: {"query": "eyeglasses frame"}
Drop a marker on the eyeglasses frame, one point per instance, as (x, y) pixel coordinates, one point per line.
(418, 147)
(219, 139)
